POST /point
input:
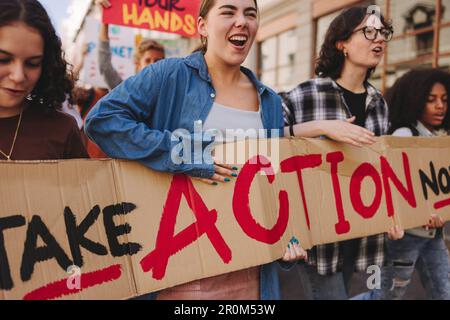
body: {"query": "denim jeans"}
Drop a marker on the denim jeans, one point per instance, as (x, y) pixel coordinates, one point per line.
(330, 287)
(148, 296)
(429, 256)
(318, 287)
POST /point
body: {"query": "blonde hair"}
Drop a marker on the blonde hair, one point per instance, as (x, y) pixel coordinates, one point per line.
(146, 45)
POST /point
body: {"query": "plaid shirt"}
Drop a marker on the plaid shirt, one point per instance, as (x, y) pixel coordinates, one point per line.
(323, 99)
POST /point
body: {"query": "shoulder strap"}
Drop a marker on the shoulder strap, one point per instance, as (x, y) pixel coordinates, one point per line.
(414, 131)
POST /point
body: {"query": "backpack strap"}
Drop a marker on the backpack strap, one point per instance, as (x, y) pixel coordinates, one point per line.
(414, 131)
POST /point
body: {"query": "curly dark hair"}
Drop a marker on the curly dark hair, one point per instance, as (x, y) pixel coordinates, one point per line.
(331, 60)
(408, 97)
(56, 82)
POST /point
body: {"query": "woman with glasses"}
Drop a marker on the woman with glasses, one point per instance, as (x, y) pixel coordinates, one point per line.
(342, 105)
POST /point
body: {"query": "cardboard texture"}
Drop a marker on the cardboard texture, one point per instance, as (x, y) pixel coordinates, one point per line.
(133, 231)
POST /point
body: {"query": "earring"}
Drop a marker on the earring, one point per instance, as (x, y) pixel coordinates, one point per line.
(204, 41)
(345, 53)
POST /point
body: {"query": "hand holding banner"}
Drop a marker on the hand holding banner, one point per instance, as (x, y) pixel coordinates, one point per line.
(115, 229)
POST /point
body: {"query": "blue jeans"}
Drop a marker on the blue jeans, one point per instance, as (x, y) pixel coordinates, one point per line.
(330, 287)
(318, 287)
(429, 256)
(148, 296)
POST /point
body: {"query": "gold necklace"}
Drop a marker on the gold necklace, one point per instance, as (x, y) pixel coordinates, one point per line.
(8, 156)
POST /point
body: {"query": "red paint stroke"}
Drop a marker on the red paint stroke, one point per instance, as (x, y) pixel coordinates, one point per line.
(442, 204)
(241, 203)
(59, 288)
(169, 244)
(298, 163)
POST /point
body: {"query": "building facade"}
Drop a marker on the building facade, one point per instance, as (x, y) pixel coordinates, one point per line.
(292, 31)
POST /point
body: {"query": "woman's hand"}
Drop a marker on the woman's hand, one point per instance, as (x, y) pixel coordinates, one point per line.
(346, 131)
(294, 252)
(223, 173)
(396, 233)
(338, 130)
(435, 222)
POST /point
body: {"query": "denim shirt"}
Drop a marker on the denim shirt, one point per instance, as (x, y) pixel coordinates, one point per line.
(135, 121)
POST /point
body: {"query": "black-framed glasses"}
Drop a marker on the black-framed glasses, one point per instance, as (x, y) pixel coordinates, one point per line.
(371, 33)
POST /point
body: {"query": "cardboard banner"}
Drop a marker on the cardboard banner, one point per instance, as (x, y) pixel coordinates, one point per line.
(109, 229)
(122, 44)
(174, 16)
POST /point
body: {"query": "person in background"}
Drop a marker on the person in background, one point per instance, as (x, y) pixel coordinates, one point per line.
(342, 105)
(85, 99)
(72, 109)
(34, 83)
(418, 106)
(147, 52)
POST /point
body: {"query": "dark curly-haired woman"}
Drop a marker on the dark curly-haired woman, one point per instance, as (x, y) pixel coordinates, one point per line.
(412, 94)
(34, 83)
(418, 106)
(341, 104)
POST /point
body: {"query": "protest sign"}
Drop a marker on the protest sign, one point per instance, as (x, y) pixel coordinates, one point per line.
(174, 16)
(110, 229)
(122, 45)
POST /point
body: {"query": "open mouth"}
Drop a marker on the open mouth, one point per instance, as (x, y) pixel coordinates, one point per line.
(238, 40)
(378, 50)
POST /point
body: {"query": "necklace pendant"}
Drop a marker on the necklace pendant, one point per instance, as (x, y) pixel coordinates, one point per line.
(8, 156)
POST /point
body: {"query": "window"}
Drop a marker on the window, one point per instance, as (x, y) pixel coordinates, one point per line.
(268, 61)
(444, 39)
(277, 59)
(322, 26)
(416, 26)
(414, 33)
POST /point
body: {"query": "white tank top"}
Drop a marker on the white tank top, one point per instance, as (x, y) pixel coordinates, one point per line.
(233, 124)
